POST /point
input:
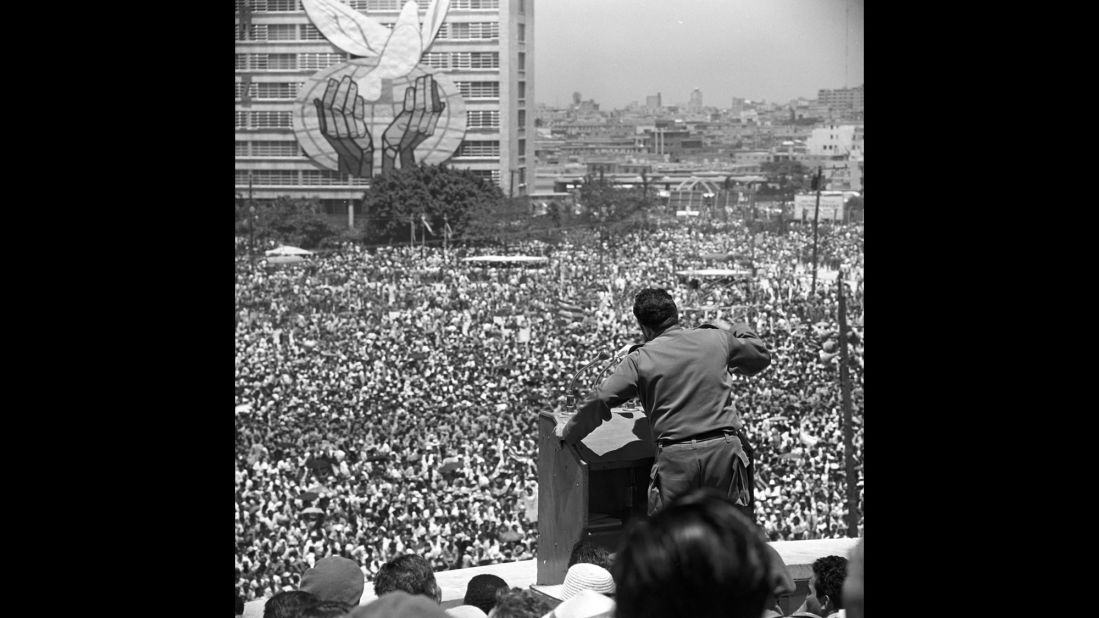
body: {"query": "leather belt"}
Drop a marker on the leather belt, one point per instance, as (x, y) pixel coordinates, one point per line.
(709, 435)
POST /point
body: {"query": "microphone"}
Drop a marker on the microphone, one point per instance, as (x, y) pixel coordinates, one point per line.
(569, 401)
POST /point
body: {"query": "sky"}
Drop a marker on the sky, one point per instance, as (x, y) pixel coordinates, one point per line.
(620, 51)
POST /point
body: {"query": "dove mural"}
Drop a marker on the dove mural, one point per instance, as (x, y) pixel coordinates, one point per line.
(383, 111)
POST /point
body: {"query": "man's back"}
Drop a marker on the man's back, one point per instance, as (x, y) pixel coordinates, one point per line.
(682, 379)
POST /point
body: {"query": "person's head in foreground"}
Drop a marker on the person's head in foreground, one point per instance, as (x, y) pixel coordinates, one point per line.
(481, 591)
(698, 557)
(409, 573)
(400, 604)
(324, 609)
(520, 603)
(655, 311)
(586, 551)
(335, 578)
(852, 585)
(826, 587)
(781, 584)
(288, 604)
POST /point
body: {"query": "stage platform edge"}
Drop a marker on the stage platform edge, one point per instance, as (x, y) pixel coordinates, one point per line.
(798, 556)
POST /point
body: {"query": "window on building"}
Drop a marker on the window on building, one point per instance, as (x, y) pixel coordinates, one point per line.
(488, 175)
(522, 33)
(479, 90)
(275, 177)
(276, 90)
(522, 90)
(320, 177)
(522, 61)
(280, 148)
(436, 60)
(471, 31)
(479, 148)
(315, 62)
(309, 32)
(476, 5)
(484, 60)
(241, 62)
(242, 178)
(384, 5)
(281, 62)
(275, 6)
(270, 120)
(522, 119)
(522, 6)
(282, 32)
(242, 120)
(241, 149)
(482, 119)
(522, 147)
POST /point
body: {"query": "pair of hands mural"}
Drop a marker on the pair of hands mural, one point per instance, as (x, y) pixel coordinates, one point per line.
(342, 115)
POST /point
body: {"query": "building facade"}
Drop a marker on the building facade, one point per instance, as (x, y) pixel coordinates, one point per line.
(481, 58)
(695, 103)
(842, 99)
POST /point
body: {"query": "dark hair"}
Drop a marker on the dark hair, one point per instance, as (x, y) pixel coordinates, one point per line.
(324, 609)
(655, 308)
(521, 603)
(289, 604)
(586, 551)
(481, 591)
(410, 573)
(828, 575)
(700, 556)
(240, 605)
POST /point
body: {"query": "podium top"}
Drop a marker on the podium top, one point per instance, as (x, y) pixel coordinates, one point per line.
(627, 436)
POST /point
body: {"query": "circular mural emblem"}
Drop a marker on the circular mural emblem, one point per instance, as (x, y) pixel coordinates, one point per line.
(417, 118)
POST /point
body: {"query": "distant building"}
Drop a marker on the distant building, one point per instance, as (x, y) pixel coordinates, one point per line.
(842, 99)
(695, 103)
(833, 140)
(483, 60)
(653, 102)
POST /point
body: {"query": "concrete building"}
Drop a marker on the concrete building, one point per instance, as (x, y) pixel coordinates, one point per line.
(653, 102)
(833, 140)
(482, 59)
(842, 99)
(695, 103)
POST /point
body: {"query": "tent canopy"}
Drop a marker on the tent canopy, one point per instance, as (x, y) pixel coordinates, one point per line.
(713, 272)
(506, 259)
(287, 250)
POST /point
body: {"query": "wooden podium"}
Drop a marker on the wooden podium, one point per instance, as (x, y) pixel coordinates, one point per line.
(591, 490)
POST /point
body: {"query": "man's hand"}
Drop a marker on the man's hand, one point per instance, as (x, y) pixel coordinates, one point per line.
(342, 116)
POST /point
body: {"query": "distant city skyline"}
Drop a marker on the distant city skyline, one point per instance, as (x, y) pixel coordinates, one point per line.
(617, 52)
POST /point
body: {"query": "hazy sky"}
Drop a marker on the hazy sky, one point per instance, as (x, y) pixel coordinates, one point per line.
(618, 51)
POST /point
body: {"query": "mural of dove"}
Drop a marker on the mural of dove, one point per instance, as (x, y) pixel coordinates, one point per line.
(398, 51)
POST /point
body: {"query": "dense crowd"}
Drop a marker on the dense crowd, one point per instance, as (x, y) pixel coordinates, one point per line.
(387, 398)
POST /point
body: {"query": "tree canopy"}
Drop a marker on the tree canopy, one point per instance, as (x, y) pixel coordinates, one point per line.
(433, 192)
(298, 222)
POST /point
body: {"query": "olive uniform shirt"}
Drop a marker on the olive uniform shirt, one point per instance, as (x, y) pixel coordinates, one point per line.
(681, 377)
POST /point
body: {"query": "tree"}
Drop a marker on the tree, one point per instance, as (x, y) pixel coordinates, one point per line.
(298, 222)
(790, 176)
(435, 192)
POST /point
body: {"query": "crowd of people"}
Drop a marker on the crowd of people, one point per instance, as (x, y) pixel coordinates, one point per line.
(387, 398)
(697, 557)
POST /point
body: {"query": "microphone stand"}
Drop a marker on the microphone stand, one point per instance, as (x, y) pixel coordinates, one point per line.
(570, 401)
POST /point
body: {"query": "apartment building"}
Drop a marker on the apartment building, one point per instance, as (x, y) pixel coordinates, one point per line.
(481, 58)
